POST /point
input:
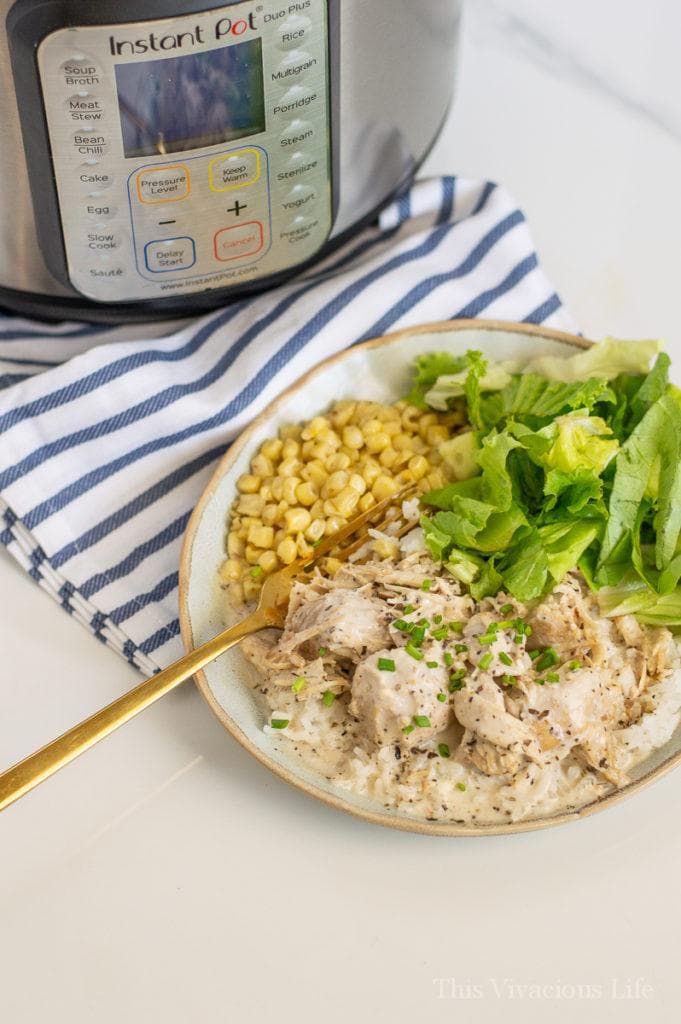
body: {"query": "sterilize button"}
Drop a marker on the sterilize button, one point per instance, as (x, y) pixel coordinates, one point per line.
(80, 70)
(84, 106)
(294, 66)
(299, 163)
(294, 32)
(93, 178)
(166, 254)
(299, 196)
(241, 240)
(163, 184)
(99, 211)
(297, 133)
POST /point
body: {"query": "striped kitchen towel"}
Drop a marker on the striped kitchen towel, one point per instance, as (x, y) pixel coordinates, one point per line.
(109, 435)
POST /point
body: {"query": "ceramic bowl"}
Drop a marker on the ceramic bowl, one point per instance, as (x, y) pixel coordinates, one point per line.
(377, 370)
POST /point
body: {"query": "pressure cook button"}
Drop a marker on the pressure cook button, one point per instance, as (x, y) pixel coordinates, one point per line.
(294, 101)
(165, 254)
(80, 70)
(299, 228)
(163, 184)
(100, 212)
(296, 133)
(89, 141)
(293, 67)
(84, 106)
(92, 178)
(234, 170)
(299, 196)
(294, 32)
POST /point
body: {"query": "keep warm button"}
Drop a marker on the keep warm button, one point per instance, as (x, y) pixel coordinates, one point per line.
(241, 240)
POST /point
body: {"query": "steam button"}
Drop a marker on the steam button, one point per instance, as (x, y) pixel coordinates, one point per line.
(294, 32)
(296, 133)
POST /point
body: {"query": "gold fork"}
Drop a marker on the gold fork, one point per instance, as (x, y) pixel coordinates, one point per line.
(270, 612)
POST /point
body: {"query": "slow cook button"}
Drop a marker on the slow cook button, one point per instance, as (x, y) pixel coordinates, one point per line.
(298, 163)
(100, 211)
(300, 195)
(166, 254)
(294, 101)
(163, 184)
(238, 241)
(294, 32)
(80, 70)
(293, 67)
(93, 178)
(296, 133)
(98, 240)
(84, 107)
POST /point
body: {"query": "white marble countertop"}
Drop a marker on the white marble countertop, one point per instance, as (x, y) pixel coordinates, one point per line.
(166, 876)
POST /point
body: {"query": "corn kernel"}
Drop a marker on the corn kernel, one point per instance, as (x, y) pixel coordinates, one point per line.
(290, 430)
(386, 548)
(342, 414)
(337, 462)
(236, 593)
(302, 545)
(272, 449)
(317, 510)
(277, 488)
(331, 566)
(315, 472)
(252, 554)
(297, 520)
(436, 434)
(366, 502)
(251, 588)
(314, 427)
(315, 530)
(289, 489)
(268, 561)
(266, 489)
(322, 451)
(262, 466)
(346, 501)
(231, 569)
(370, 470)
(334, 524)
(336, 482)
(289, 467)
(250, 504)
(235, 546)
(287, 551)
(357, 483)
(372, 426)
(388, 457)
(376, 442)
(290, 449)
(248, 484)
(384, 487)
(403, 443)
(269, 514)
(305, 493)
(352, 437)
(261, 536)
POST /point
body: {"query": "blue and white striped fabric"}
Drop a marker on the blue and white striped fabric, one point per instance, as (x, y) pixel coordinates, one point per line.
(109, 435)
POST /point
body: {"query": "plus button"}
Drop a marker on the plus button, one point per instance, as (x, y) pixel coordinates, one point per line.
(237, 208)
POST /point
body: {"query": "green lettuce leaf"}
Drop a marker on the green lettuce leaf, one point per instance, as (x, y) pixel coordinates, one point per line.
(579, 441)
(607, 359)
(496, 485)
(574, 493)
(525, 568)
(427, 369)
(486, 377)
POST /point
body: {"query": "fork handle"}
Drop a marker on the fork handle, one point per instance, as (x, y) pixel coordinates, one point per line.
(37, 767)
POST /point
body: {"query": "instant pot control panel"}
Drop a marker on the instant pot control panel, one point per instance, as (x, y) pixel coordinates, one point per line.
(192, 152)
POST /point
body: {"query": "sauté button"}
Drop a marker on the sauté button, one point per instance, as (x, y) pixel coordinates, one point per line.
(93, 178)
(294, 31)
(166, 254)
(163, 184)
(235, 170)
(80, 70)
(296, 133)
(236, 242)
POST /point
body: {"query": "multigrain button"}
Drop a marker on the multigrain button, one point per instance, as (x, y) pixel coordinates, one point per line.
(80, 70)
(236, 242)
(235, 170)
(293, 67)
(92, 178)
(84, 107)
(294, 32)
(294, 101)
(165, 254)
(163, 184)
(100, 212)
(299, 196)
(296, 133)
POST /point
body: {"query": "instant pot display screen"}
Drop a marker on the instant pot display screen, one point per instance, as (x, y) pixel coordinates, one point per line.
(183, 103)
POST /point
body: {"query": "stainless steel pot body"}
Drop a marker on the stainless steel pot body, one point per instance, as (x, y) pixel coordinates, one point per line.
(389, 76)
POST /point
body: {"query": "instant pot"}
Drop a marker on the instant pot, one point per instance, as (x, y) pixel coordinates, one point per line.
(160, 157)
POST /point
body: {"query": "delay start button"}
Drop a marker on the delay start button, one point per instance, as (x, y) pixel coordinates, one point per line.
(163, 184)
(164, 254)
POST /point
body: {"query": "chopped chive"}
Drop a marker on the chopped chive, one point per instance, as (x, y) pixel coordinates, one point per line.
(404, 627)
(456, 627)
(486, 638)
(323, 651)
(408, 609)
(574, 665)
(505, 623)
(508, 680)
(279, 723)
(256, 571)
(418, 635)
(316, 543)
(458, 673)
(328, 698)
(386, 664)
(443, 750)
(449, 658)
(548, 658)
(506, 609)
(534, 654)
(423, 622)
(528, 630)
(455, 685)
(552, 677)
(298, 684)
(439, 634)
(422, 721)
(442, 697)
(426, 585)
(460, 648)
(486, 660)
(407, 729)
(505, 658)
(437, 619)
(461, 786)
(415, 653)
(432, 664)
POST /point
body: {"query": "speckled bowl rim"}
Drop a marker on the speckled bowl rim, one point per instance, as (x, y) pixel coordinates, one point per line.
(336, 800)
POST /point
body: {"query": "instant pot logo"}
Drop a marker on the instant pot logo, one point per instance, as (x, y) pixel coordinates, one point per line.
(154, 42)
